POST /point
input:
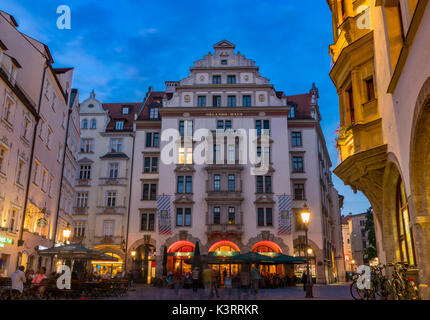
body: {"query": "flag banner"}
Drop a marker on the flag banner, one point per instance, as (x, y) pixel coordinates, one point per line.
(164, 219)
(285, 215)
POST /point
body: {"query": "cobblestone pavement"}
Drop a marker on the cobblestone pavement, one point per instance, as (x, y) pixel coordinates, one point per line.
(320, 292)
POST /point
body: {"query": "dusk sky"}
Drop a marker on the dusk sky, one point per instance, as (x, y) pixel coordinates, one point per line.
(120, 48)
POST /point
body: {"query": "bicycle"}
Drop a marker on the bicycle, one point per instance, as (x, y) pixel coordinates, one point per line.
(380, 285)
(402, 287)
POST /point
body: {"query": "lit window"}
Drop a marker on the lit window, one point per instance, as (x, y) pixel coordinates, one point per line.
(185, 155)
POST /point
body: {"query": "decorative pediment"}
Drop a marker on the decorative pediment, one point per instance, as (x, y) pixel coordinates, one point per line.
(184, 199)
(264, 199)
(85, 161)
(185, 168)
(224, 44)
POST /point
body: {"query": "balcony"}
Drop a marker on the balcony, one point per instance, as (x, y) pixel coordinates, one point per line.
(224, 229)
(113, 181)
(80, 211)
(83, 182)
(105, 240)
(111, 210)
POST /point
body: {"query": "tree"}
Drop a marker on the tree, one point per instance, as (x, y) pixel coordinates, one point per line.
(369, 227)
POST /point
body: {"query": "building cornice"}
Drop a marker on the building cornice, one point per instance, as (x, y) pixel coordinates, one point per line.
(224, 112)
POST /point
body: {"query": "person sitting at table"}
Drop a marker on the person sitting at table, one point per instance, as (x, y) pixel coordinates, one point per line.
(39, 281)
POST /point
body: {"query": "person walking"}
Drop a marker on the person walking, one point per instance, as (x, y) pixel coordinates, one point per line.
(244, 280)
(195, 277)
(214, 283)
(177, 281)
(255, 279)
(207, 279)
(18, 279)
(304, 280)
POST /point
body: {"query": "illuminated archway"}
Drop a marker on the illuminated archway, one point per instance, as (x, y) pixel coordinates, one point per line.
(174, 247)
(265, 247)
(177, 252)
(224, 245)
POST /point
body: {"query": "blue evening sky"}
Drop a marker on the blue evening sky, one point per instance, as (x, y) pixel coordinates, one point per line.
(120, 48)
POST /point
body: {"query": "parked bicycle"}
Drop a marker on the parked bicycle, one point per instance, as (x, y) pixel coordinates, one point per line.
(402, 287)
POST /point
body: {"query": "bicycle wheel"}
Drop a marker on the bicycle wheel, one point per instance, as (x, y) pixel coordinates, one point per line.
(397, 290)
(356, 293)
(411, 292)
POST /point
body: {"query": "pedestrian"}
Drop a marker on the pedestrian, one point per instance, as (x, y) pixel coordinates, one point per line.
(244, 279)
(177, 283)
(207, 277)
(195, 277)
(214, 283)
(18, 279)
(39, 280)
(304, 280)
(255, 278)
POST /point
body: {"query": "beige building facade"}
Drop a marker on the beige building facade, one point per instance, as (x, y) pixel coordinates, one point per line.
(381, 72)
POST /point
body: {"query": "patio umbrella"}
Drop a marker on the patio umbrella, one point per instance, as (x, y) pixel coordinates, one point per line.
(286, 259)
(196, 259)
(250, 257)
(75, 252)
(165, 261)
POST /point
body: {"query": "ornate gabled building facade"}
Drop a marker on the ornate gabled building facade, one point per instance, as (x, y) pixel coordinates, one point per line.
(218, 202)
(382, 75)
(103, 180)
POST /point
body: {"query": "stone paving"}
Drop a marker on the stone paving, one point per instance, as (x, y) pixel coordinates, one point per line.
(320, 292)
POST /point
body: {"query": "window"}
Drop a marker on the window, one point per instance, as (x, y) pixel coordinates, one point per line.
(9, 110)
(188, 184)
(84, 124)
(364, 244)
(44, 176)
(54, 101)
(51, 181)
(362, 223)
(216, 79)
(363, 232)
(231, 101)
(116, 145)
(299, 191)
(93, 124)
(216, 101)
(217, 182)
(2, 160)
(221, 124)
(147, 222)
(85, 172)
(87, 145)
(246, 101)
(231, 153)
(79, 229)
(296, 139)
(36, 173)
(119, 125)
(42, 125)
(111, 198)
(82, 199)
(264, 184)
(153, 113)
(231, 182)
(404, 229)
(154, 166)
(185, 155)
(223, 62)
(262, 124)
(149, 191)
(12, 219)
(297, 164)
(217, 153)
(150, 164)
(125, 110)
(264, 217)
(231, 79)
(231, 215)
(113, 170)
(183, 217)
(26, 128)
(217, 215)
(108, 228)
(370, 89)
(186, 128)
(49, 138)
(20, 172)
(292, 113)
(350, 98)
(201, 101)
(152, 139)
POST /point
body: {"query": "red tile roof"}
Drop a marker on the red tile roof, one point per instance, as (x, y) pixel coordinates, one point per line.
(155, 99)
(115, 113)
(303, 103)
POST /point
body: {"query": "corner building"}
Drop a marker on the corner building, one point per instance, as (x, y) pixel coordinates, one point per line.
(222, 206)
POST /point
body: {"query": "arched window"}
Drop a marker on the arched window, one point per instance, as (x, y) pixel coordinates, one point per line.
(84, 124)
(404, 231)
(93, 124)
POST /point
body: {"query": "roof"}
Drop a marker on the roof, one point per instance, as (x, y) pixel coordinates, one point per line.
(114, 155)
(303, 103)
(62, 70)
(116, 114)
(155, 98)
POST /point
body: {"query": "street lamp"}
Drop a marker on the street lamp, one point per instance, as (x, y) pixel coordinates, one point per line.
(306, 216)
(67, 232)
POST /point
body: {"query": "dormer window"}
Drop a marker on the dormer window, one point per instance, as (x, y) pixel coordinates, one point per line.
(119, 125)
(153, 113)
(292, 113)
(125, 110)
